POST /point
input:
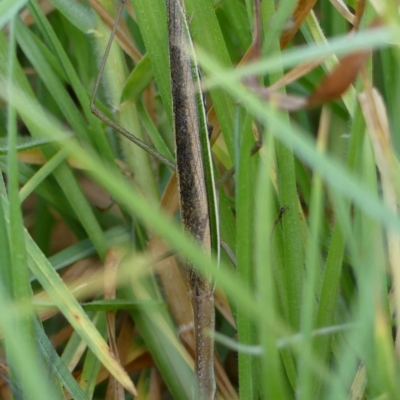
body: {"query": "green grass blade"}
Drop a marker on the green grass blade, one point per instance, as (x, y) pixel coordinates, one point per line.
(71, 309)
(27, 379)
(51, 80)
(8, 9)
(270, 362)
(41, 175)
(333, 268)
(152, 20)
(23, 143)
(18, 271)
(56, 364)
(313, 259)
(99, 140)
(152, 131)
(206, 32)
(138, 80)
(78, 14)
(293, 252)
(247, 332)
(127, 116)
(91, 366)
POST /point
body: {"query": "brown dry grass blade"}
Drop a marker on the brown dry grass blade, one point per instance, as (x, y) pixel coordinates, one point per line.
(300, 13)
(376, 117)
(122, 34)
(359, 13)
(221, 302)
(5, 391)
(359, 385)
(61, 336)
(296, 73)
(224, 384)
(134, 362)
(32, 156)
(331, 88)
(334, 85)
(282, 101)
(155, 386)
(83, 280)
(343, 10)
(168, 270)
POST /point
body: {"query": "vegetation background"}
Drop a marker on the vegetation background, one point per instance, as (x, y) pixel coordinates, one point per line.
(306, 291)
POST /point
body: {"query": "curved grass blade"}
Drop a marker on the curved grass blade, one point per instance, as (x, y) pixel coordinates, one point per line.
(71, 309)
(78, 14)
(57, 364)
(8, 9)
(27, 368)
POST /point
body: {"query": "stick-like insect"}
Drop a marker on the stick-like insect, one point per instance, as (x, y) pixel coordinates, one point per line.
(196, 183)
(195, 176)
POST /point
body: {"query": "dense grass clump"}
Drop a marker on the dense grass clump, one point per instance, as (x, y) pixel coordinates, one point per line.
(304, 132)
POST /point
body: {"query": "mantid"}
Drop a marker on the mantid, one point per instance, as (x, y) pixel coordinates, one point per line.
(195, 175)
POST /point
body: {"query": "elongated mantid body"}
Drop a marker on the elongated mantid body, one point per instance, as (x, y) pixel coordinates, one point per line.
(196, 185)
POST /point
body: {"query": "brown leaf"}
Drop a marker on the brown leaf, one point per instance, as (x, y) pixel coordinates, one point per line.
(135, 359)
(331, 88)
(168, 270)
(155, 386)
(359, 13)
(300, 13)
(335, 84)
(343, 10)
(296, 73)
